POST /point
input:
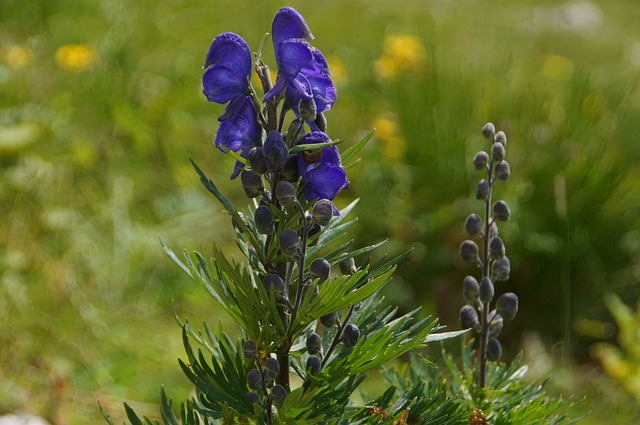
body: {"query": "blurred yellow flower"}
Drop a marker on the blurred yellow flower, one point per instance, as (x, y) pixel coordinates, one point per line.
(338, 71)
(557, 68)
(401, 53)
(17, 56)
(387, 131)
(76, 57)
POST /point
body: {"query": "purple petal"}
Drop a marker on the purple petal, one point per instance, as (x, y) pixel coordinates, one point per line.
(324, 181)
(292, 55)
(230, 50)
(278, 87)
(221, 84)
(330, 155)
(289, 24)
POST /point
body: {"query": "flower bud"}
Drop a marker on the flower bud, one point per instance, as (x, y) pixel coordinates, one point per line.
(251, 183)
(307, 109)
(350, 335)
(313, 365)
(494, 350)
(501, 211)
(271, 367)
(275, 152)
(486, 290)
(285, 192)
(489, 130)
(493, 230)
(495, 327)
(480, 160)
(497, 151)
(470, 289)
(482, 190)
(322, 211)
(256, 160)
(289, 242)
(320, 269)
(469, 317)
(314, 343)
(275, 282)
(503, 171)
(290, 172)
(501, 138)
(321, 122)
(348, 266)
(473, 225)
(468, 250)
(253, 397)
(250, 350)
(496, 248)
(500, 270)
(278, 393)
(507, 305)
(254, 379)
(263, 217)
(329, 320)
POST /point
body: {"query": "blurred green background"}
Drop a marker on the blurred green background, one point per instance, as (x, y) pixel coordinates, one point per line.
(101, 108)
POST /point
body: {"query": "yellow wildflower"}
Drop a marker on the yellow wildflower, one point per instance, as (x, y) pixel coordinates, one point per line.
(557, 68)
(387, 131)
(17, 56)
(402, 53)
(76, 57)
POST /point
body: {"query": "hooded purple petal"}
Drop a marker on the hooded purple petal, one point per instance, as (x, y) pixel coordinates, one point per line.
(326, 177)
(228, 64)
(289, 24)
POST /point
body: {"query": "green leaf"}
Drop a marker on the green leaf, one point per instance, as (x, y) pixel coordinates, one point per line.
(444, 336)
(234, 155)
(313, 146)
(350, 153)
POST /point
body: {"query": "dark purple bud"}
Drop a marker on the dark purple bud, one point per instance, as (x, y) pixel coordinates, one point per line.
(507, 305)
(254, 379)
(489, 130)
(290, 172)
(501, 211)
(250, 350)
(320, 269)
(496, 248)
(278, 393)
(251, 183)
(322, 211)
(501, 138)
(497, 151)
(253, 397)
(501, 269)
(350, 335)
(307, 109)
(503, 171)
(473, 225)
(469, 317)
(285, 192)
(329, 320)
(470, 289)
(493, 230)
(348, 266)
(275, 282)
(480, 160)
(482, 190)
(264, 219)
(495, 327)
(486, 290)
(271, 367)
(289, 242)
(256, 160)
(468, 250)
(313, 365)
(494, 350)
(314, 343)
(275, 152)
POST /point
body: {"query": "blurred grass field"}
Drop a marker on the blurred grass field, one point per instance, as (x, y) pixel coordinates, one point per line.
(101, 108)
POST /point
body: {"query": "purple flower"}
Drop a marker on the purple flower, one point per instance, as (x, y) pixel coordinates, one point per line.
(324, 178)
(226, 79)
(303, 72)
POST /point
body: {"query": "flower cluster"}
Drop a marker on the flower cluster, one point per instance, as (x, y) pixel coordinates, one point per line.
(478, 314)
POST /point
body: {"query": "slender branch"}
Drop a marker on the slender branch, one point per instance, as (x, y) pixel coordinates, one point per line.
(337, 338)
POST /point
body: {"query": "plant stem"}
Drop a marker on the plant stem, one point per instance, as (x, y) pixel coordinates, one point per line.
(486, 273)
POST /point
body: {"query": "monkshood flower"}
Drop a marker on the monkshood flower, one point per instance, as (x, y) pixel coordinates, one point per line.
(226, 80)
(303, 72)
(324, 178)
